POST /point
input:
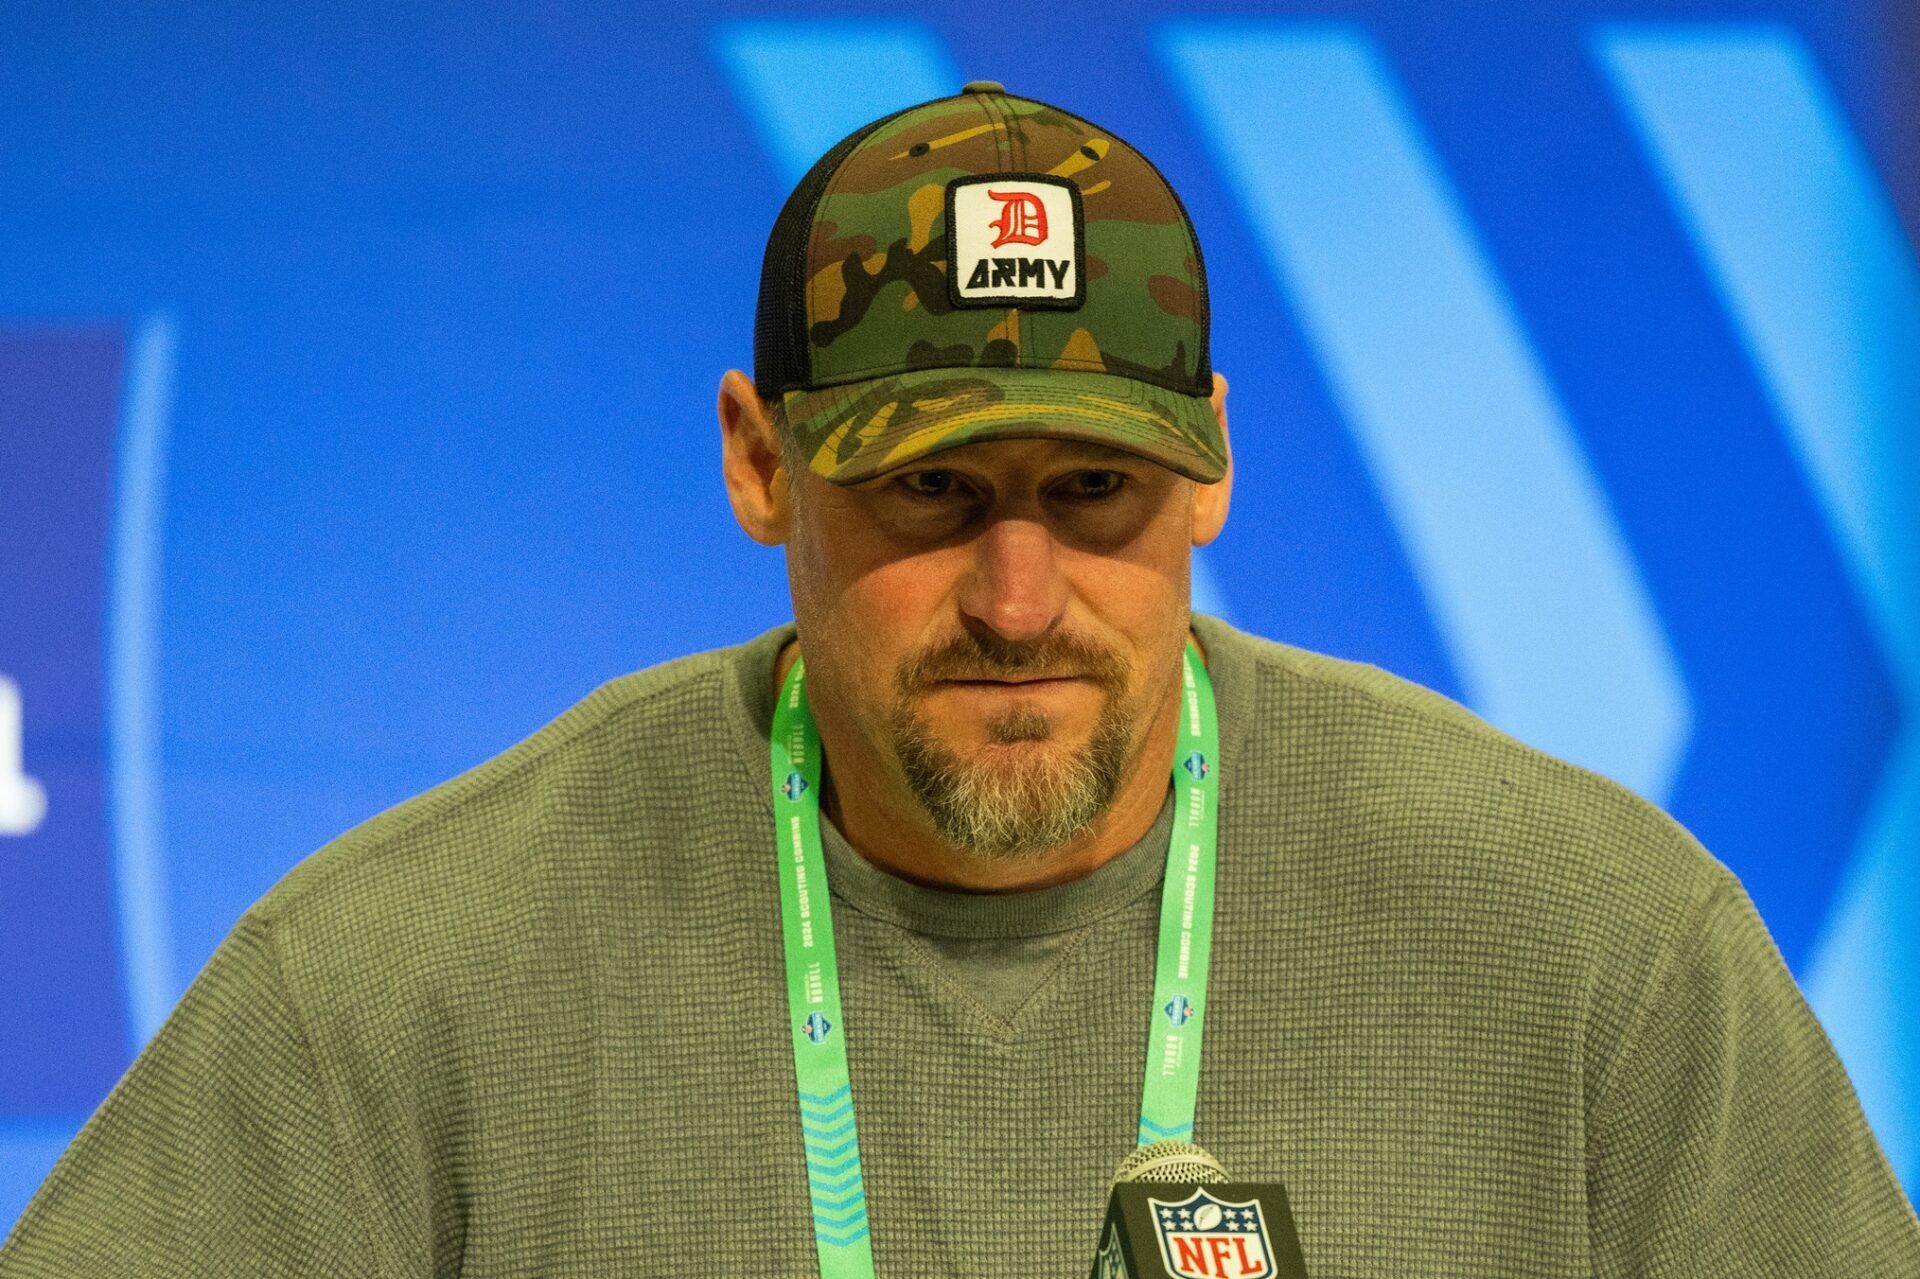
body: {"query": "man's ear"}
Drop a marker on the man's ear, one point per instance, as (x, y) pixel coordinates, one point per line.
(1210, 500)
(752, 462)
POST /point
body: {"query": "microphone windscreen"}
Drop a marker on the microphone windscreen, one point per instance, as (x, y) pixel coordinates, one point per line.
(1166, 1162)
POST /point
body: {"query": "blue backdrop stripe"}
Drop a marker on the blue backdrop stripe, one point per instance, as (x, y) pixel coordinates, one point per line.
(28, 1150)
(1808, 256)
(133, 712)
(809, 83)
(1552, 630)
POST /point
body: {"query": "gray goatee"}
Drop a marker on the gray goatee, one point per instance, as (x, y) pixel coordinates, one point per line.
(1011, 809)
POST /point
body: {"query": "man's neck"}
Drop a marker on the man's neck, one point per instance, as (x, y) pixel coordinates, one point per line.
(898, 838)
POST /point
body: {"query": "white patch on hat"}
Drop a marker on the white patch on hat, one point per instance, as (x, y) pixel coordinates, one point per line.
(1015, 240)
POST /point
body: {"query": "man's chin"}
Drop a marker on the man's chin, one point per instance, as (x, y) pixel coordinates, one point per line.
(1006, 746)
(1006, 764)
(972, 731)
(997, 766)
(1001, 799)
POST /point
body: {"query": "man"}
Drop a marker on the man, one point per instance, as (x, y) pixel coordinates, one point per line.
(1480, 1011)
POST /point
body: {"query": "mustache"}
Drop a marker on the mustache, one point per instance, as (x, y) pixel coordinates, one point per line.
(969, 656)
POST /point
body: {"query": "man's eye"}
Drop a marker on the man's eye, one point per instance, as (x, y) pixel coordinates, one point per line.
(1094, 484)
(929, 483)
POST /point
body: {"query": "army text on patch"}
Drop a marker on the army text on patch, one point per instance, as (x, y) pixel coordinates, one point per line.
(1015, 239)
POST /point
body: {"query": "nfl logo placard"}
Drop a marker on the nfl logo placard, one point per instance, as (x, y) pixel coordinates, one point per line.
(1111, 1261)
(1202, 1237)
(1015, 239)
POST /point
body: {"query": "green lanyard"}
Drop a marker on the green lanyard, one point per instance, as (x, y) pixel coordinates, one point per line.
(1172, 1079)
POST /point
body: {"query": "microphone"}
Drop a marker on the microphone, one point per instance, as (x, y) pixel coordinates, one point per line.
(1173, 1214)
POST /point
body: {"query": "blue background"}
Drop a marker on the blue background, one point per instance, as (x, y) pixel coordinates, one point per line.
(357, 370)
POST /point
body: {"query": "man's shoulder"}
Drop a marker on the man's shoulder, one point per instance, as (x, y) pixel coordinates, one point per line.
(1380, 696)
(1452, 801)
(483, 843)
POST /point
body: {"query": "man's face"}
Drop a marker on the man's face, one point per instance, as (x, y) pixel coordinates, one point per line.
(998, 625)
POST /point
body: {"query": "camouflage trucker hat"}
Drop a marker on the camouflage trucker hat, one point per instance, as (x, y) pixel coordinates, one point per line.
(985, 267)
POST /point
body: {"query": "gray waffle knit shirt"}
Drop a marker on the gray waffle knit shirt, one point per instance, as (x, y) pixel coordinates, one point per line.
(1483, 1013)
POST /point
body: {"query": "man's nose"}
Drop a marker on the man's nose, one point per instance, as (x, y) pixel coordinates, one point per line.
(1015, 586)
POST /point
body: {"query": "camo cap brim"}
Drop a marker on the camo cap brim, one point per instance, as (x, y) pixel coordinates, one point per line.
(858, 430)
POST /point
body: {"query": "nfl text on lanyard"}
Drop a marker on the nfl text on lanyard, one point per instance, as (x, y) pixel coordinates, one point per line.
(838, 1195)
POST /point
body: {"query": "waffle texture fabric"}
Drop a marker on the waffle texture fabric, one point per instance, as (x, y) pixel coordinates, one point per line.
(1484, 1014)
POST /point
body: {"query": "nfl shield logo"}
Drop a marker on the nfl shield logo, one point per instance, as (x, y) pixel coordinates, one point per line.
(795, 787)
(1110, 1262)
(1207, 1238)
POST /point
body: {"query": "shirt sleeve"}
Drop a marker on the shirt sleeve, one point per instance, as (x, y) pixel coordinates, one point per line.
(1728, 1140)
(213, 1156)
